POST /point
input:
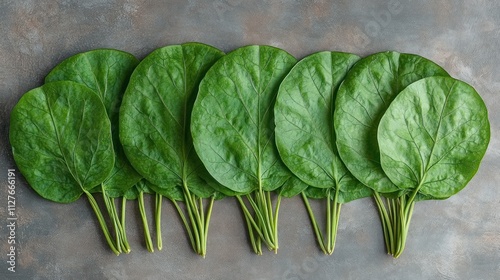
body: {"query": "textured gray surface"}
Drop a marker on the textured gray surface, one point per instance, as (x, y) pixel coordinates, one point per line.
(458, 238)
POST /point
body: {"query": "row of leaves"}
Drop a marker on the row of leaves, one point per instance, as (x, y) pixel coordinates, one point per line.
(193, 124)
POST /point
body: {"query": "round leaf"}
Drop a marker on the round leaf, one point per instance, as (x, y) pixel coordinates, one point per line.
(433, 136)
(232, 120)
(61, 140)
(368, 89)
(304, 123)
(106, 72)
(155, 116)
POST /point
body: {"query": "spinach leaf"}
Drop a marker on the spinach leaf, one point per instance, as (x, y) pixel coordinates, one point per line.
(362, 99)
(305, 134)
(61, 142)
(433, 136)
(292, 187)
(154, 126)
(106, 72)
(432, 139)
(233, 131)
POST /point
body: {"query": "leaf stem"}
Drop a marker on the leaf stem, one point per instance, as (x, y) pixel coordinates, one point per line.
(102, 222)
(158, 203)
(147, 235)
(124, 208)
(249, 217)
(192, 219)
(317, 231)
(207, 222)
(328, 223)
(386, 220)
(121, 228)
(335, 220)
(199, 220)
(275, 227)
(395, 215)
(186, 224)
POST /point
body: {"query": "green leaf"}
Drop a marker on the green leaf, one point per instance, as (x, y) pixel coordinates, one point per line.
(172, 193)
(433, 136)
(106, 72)
(316, 193)
(155, 130)
(304, 123)
(132, 193)
(155, 116)
(61, 140)
(232, 120)
(292, 187)
(368, 89)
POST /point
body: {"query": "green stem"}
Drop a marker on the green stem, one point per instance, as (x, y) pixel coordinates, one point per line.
(102, 223)
(328, 223)
(207, 223)
(251, 236)
(121, 228)
(113, 218)
(252, 225)
(147, 235)
(386, 222)
(317, 231)
(261, 224)
(268, 214)
(198, 225)
(186, 224)
(258, 215)
(275, 226)
(395, 207)
(201, 226)
(122, 223)
(158, 203)
(259, 245)
(335, 221)
(405, 224)
(190, 205)
(124, 208)
(395, 214)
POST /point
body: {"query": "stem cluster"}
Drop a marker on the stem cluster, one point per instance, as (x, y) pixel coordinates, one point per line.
(263, 224)
(395, 215)
(119, 244)
(332, 221)
(199, 219)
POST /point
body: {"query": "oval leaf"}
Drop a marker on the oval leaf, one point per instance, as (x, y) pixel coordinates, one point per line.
(61, 140)
(106, 72)
(368, 89)
(433, 136)
(304, 123)
(155, 116)
(232, 121)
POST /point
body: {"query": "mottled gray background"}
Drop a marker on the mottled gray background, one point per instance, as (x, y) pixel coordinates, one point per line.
(458, 238)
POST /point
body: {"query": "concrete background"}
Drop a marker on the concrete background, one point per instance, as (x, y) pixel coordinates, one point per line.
(458, 238)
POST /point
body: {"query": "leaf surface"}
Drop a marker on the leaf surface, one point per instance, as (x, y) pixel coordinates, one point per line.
(305, 134)
(368, 89)
(433, 136)
(233, 125)
(61, 140)
(106, 72)
(155, 116)
(292, 187)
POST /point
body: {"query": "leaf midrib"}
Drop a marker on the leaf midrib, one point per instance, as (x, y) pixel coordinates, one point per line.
(58, 139)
